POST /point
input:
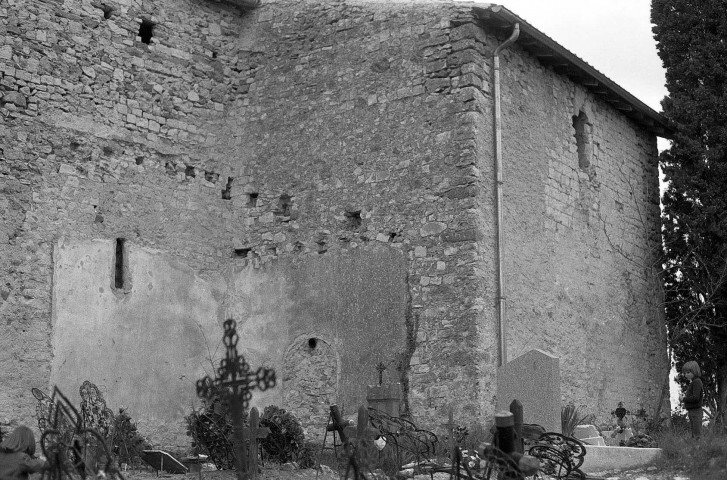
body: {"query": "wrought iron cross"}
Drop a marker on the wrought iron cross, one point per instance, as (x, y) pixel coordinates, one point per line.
(234, 384)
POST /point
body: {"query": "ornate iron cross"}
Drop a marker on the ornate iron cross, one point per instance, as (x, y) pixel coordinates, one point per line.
(234, 384)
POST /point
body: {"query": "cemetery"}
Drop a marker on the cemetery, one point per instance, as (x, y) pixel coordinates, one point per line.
(424, 232)
(543, 441)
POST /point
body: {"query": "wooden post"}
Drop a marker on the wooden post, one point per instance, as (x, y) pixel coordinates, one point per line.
(516, 408)
(337, 424)
(251, 435)
(362, 423)
(505, 423)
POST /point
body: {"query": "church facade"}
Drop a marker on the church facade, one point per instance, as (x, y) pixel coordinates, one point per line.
(324, 173)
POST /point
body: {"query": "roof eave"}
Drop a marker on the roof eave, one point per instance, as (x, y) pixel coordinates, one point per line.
(550, 53)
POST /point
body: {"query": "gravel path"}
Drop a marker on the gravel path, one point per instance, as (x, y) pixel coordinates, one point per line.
(272, 472)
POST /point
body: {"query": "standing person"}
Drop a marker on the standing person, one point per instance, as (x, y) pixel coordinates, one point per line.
(693, 397)
(16, 455)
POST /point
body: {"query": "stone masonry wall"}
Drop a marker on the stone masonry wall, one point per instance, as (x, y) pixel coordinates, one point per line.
(235, 138)
(582, 240)
(294, 129)
(352, 137)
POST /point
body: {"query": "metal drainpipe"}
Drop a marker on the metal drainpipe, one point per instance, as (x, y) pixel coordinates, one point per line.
(498, 172)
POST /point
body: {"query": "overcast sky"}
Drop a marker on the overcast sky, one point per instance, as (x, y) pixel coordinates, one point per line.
(614, 36)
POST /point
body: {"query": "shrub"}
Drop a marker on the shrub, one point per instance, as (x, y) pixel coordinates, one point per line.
(211, 430)
(706, 459)
(306, 456)
(286, 434)
(572, 416)
(126, 442)
(641, 440)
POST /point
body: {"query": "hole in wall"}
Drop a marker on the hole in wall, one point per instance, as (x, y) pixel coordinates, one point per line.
(107, 150)
(272, 250)
(211, 177)
(214, 54)
(321, 247)
(312, 343)
(139, 160)
(241, 252)
(189, 171)
(285, 203)
(107, 11)
(171, 170)
(98, 218)
(252, 199)
(146, 31)
(227, 192)
(74, 145)
(353, 218)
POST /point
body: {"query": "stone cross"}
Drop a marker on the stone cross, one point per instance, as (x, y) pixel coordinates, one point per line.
(234, 384)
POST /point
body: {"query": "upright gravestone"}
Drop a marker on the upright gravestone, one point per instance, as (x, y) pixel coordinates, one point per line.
(534, 380)
(384, 396)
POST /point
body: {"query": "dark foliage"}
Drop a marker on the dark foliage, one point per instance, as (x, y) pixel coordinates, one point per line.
(286, 434)
(126, 442)
(211, 432)
(306, 456)
(641, 440)
(692, 40)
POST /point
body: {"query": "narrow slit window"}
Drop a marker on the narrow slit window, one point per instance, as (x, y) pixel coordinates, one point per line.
(119, 263)
(584, 139)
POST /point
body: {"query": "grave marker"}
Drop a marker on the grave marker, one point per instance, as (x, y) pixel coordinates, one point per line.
(234, 384)
(250, 436)
(533, 379)
(385, 397)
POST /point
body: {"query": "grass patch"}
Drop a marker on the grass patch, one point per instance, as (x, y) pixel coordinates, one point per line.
(706, 458)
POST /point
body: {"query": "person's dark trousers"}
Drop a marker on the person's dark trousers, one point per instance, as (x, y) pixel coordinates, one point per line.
(695, 419)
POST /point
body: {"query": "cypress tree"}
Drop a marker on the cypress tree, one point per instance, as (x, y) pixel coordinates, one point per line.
(691, 39)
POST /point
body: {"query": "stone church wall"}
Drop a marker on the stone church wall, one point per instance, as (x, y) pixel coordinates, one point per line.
(281, 144)
(232, 140)
(582, 240)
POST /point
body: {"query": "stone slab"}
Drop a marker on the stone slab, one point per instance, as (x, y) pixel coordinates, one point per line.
(585, 431)
(534, 379)
(595, 441)
(600, 459)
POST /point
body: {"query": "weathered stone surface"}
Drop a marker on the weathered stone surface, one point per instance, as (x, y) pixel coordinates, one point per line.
(585, 431)
(16, 98)
(234, 140)
(533, 379)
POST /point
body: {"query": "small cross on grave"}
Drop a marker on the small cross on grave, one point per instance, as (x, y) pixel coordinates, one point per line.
(450, 426)
(251, 435)
(234, 384)
(381, 367)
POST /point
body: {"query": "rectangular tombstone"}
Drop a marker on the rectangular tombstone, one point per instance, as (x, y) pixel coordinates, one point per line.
(386, 397)
(534, 380)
